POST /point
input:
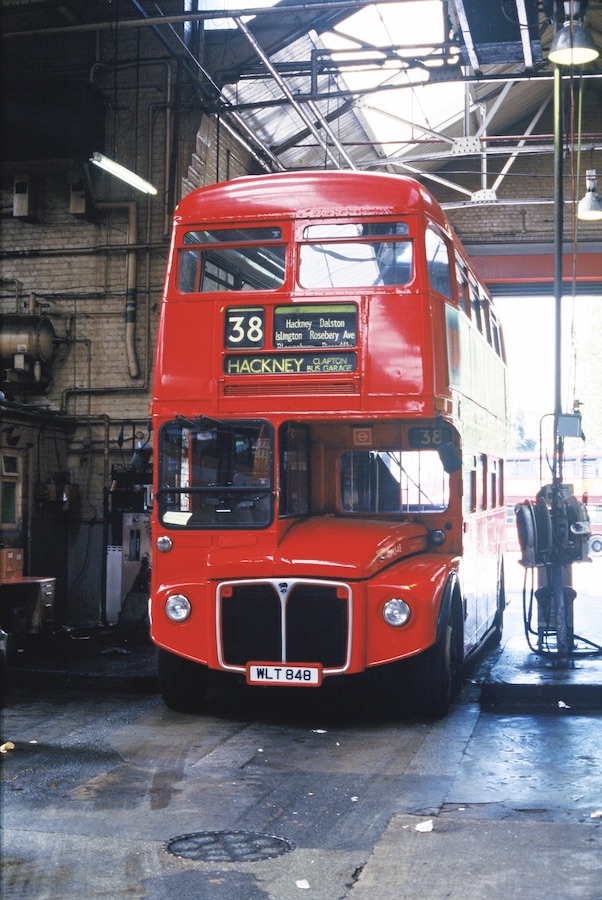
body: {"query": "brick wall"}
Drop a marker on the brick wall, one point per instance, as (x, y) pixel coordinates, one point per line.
(74, 260)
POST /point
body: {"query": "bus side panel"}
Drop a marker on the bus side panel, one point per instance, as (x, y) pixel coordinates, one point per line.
(440, 350)
(484, 536)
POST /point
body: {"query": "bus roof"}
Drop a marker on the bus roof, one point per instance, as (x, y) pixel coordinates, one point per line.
(316, 194)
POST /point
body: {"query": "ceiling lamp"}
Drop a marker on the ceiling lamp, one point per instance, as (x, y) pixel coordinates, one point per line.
(572, 45)
(119, 171)
(590, 208)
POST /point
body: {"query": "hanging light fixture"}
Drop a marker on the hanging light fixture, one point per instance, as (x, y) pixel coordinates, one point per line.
(119, 171)
(590, 207)
(572, 45)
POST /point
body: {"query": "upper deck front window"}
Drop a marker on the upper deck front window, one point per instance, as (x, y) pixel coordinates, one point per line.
(232, 259)
(362, 254)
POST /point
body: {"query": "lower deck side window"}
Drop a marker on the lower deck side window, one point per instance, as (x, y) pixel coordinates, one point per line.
(392, 481)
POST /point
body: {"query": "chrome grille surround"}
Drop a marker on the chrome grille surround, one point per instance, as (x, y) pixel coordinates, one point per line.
(284, 620)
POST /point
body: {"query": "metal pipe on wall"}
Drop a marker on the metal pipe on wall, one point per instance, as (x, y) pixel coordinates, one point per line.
(131, 290)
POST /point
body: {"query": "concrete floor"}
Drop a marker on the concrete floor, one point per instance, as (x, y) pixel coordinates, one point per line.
(513, 825)
(508, 786)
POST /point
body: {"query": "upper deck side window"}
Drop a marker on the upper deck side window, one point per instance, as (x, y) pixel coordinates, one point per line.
(476, 305)
(486, 312)
(485, 318)
(497, 336)
(231, 259)
(355, 254)
(462, 281)
(437, 258)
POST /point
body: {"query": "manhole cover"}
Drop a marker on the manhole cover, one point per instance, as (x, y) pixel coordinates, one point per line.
(228, 846)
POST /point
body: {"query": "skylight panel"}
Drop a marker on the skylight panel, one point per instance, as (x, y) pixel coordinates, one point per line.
(226, 5)
(385, 39)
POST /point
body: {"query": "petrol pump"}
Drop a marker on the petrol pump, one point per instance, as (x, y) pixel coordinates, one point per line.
(553, 533)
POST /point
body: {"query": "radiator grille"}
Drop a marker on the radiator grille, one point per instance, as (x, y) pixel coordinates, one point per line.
(284, 621)
(251, 624)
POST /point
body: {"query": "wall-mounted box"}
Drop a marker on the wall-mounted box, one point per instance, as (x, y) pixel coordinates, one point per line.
(77, 198)
(23, 198)
(11, 562)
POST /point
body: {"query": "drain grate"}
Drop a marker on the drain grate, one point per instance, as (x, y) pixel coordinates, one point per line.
(228, 846)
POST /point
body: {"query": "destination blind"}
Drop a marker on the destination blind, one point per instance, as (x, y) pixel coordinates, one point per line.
(315, 326)
(289, 363)
(302, 326)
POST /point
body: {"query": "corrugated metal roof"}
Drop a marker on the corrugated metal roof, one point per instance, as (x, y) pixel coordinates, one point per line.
(273, 74)
(281, 126)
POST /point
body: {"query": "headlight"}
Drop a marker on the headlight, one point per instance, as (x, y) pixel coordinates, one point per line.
(437, 537)
(164, 543)
(178, 607)
(396, 612)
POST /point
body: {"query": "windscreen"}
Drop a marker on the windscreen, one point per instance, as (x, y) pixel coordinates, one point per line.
(215, 474)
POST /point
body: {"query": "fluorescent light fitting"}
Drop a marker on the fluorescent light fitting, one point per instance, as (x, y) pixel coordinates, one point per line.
(589, 208)
(573, 46)
(119, 171)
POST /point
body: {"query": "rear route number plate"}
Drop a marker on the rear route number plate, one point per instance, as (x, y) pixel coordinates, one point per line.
(286, 676)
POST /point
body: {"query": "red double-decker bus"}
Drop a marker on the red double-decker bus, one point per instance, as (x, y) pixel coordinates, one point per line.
(329, 414)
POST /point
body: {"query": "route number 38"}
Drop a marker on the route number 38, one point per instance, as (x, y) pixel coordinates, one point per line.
(429, 437)
(245, 327)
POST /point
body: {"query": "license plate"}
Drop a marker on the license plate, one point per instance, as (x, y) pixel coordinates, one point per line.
(286, 676)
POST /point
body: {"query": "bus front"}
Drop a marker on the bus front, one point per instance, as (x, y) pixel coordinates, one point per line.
(308, 520)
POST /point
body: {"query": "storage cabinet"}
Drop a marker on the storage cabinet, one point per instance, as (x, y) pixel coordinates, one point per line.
(27, 605)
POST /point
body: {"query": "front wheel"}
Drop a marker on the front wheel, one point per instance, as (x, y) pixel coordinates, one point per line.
(182, 683)
(437, 671)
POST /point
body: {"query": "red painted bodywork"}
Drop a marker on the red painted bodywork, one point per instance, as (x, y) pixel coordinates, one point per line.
(402, 374)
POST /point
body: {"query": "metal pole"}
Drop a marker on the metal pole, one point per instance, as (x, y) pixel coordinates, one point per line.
(558, 240)
(558, 515)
